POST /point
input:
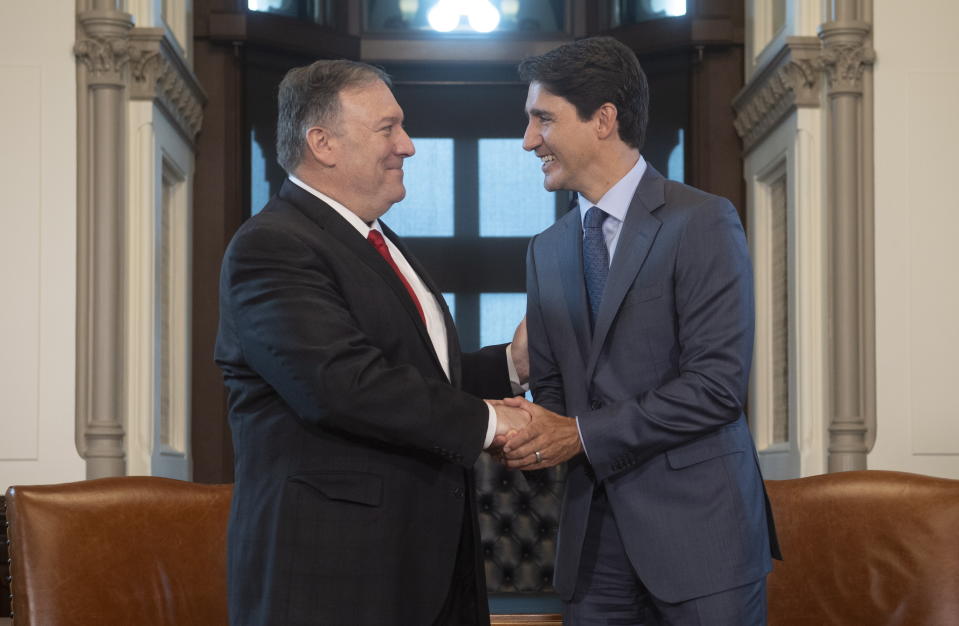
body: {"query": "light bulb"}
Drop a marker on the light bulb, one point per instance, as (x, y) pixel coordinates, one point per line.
(445, 16)
(483, 16)
(675, 7)
(671, 8)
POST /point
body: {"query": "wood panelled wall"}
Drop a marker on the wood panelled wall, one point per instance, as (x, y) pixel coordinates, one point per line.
(218, 211)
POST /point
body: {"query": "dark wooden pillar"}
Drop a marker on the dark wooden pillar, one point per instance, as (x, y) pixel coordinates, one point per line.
(4, 562)
(715, 161)
(709, 42)
(218, 194)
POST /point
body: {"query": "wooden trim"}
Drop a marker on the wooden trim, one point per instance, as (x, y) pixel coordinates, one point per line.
(218, 193)
(527, 620)
(4, 562)
(279, 32)
(715, 160)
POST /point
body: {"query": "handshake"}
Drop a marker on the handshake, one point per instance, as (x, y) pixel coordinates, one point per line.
(529, 436)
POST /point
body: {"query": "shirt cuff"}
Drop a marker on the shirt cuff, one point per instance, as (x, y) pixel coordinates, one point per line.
(581, 440)
(491, 427)
(518, 388)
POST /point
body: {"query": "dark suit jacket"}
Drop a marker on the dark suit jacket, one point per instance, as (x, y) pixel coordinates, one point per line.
(659, 388)
(353, 451)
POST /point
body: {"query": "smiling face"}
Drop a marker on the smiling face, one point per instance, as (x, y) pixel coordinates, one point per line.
(370, 145)
(566, 145)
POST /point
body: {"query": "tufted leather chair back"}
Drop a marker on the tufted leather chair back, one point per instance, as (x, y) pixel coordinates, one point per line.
(132, 550)
(871, 547)
(519, 516)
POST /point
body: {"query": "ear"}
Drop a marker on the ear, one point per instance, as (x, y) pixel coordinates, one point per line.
(322, 145)
(606, 119)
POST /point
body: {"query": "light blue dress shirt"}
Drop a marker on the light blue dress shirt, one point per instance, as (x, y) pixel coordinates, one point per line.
(615, 202)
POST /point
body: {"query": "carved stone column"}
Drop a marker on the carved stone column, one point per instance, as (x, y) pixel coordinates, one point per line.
(846, 55)
(104, 52)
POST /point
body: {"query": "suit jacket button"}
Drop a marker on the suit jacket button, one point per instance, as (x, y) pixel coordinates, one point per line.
(458, 492)
(596, 404)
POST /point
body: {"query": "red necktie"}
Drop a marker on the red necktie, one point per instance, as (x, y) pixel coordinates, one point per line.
(379, 243)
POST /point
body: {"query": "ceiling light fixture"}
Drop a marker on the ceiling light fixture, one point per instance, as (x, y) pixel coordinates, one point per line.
(482, 16)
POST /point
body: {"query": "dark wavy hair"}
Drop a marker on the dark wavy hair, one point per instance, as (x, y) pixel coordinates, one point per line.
(590, 72)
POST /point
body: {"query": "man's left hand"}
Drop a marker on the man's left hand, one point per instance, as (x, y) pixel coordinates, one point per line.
(519, 349)
(555, 437)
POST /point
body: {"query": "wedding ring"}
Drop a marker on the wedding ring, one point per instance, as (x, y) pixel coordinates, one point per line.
(539, 457)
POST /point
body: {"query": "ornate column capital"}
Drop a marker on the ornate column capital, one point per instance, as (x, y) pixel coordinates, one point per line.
(104, 46)
(846, 53)
(791, 79)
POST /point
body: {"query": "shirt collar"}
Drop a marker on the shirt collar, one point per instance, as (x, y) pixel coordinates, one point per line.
(616, 201)
(351, 217)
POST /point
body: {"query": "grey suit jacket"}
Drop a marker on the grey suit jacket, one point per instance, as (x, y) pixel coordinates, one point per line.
(659, 388)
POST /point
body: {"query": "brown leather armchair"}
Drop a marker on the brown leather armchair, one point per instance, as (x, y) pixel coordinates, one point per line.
(133, 550)
(870, 547)
(873, 547)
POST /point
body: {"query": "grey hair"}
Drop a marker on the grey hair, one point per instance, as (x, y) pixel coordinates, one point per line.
(309, 96)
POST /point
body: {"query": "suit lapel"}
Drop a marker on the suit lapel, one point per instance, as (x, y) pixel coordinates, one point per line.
(343, 232)
(635, 239)
(452, 340)
(570, 256)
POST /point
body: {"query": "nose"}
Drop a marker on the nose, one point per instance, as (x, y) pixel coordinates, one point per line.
(531, 138)
(404, 145)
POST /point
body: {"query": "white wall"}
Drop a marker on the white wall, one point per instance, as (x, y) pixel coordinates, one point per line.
(917, 237)
(37, 243)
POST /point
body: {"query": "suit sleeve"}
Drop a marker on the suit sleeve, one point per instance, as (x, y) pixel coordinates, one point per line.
(714, 316)
(295, 330)
(485, 373)
(544, 375)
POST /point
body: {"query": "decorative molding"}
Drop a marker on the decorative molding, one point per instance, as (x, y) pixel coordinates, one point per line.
(845, 55)
(810, 308)
(761, 214)
(103, 46)
(790, 80)
(160, 166)
(143, 59)
(159, 73)
(104, 56)
(792, 147)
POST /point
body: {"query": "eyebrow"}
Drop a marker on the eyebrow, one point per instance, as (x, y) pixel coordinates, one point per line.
(391, 118)
(538, 113)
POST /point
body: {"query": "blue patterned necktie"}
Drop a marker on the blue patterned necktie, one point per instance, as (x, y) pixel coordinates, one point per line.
(595, 259)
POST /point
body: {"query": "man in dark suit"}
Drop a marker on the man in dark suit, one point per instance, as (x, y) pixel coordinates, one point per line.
(640, 317)
(356, 420)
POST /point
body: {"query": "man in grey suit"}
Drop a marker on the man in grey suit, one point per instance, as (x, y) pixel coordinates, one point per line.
(640, 317)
